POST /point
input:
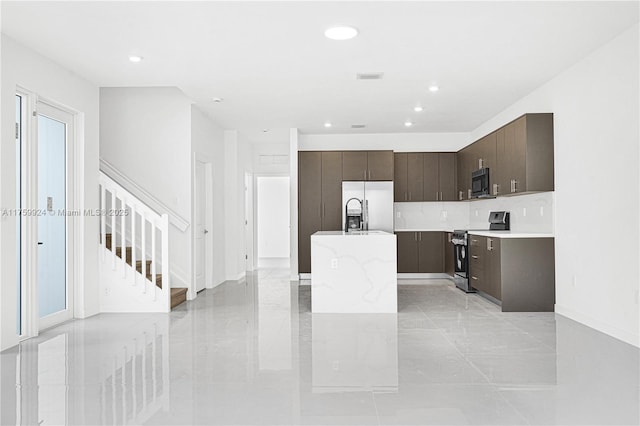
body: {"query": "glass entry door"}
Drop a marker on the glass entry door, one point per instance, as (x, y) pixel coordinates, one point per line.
(54, 129)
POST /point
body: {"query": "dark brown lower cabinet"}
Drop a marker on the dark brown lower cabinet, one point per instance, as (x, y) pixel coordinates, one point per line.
(420, 252)
(430, 253)
(407, 251)
(449, 260)
(518, 272)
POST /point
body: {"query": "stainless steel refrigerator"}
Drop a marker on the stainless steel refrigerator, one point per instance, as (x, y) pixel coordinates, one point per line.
(377, 203)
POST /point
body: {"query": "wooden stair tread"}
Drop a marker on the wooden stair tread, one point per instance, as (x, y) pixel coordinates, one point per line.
(178, 296)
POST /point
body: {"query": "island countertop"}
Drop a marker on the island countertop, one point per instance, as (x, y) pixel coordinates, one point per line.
(352, 233)
(353, 272)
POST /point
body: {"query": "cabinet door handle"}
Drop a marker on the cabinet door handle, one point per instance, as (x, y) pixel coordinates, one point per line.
(515, 185)
(409, 195)
(469, 194)
(460, 197)
(489, 244)
(474, 278)
(365, 174)
(415, 236)
(474, 257)
(419, 236)
(495, 189)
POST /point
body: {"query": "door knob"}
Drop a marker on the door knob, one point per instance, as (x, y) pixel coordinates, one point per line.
(206, 232)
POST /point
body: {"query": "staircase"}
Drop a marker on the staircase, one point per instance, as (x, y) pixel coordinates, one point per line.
(178, 295)
(134, 254)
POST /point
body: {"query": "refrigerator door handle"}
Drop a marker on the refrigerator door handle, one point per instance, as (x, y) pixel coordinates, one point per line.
(366, 214)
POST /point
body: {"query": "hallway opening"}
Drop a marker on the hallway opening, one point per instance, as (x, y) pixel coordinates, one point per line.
(272, 219)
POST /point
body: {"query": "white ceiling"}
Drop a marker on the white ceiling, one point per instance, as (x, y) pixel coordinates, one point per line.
(275, 69)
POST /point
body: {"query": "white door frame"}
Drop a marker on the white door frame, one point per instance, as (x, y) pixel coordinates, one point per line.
(255, 211)
(208, 171)
(32, 324)
(249, 222)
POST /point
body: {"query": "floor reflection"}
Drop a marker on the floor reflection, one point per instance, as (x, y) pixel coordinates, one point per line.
(354, 352)
(251, 352)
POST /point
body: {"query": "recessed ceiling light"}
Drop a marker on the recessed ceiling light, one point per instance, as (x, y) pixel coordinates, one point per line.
(433, 88)
(341, 33)
(218, 100)
(135, 59)
(418, 109)
(327, 124)
(265, 130)
(408, 123)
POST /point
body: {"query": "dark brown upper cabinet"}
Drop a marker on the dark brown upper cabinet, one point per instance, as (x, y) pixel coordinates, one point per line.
(400, 171)
(524, 155)
(519, 156)
(428, 176)
(447, 175)
(439, 176)
(408, 180)
(367, 165)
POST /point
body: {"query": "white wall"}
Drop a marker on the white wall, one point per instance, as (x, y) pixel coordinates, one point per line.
(23, 67)
(273, 217)
(596, 132)
(245, 206)
(399, 142)
(293, 197)
(207, 139)
(145, 133)
(270, 158)
(237, 162)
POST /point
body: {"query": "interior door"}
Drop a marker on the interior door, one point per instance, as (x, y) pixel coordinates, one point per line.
(55, 298)
(200, 226)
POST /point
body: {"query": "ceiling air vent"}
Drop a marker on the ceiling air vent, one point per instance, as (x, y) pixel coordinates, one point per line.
(369, 76)
(358, 126)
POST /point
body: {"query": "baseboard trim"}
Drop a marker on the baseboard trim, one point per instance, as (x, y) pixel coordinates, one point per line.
(598, 325)
(427, 276)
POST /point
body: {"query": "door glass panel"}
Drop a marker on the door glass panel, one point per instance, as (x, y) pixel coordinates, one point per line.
(52, 286)
(18, 217)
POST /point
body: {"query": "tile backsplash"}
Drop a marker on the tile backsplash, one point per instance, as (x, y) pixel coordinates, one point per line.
(529, 213)
(431, 215)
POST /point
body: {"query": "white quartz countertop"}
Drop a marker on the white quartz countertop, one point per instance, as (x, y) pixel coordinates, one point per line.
(512, 234)
(424, 230)
(350, 234)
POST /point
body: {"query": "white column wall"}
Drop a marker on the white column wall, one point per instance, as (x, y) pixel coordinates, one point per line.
(293, 217)
(26, 68)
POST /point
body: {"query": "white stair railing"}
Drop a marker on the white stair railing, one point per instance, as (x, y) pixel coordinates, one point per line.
(133, 226)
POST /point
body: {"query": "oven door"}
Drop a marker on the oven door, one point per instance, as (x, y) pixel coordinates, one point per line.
(460, 253)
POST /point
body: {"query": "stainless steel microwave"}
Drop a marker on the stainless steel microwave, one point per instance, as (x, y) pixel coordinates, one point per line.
(480, 183)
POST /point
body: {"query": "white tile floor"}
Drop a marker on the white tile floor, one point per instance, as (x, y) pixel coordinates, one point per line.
(252, 353)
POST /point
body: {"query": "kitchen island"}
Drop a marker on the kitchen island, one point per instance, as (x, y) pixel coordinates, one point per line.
(354, 272)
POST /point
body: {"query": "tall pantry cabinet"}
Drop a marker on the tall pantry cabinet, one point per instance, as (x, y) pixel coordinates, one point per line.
(319, 199)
